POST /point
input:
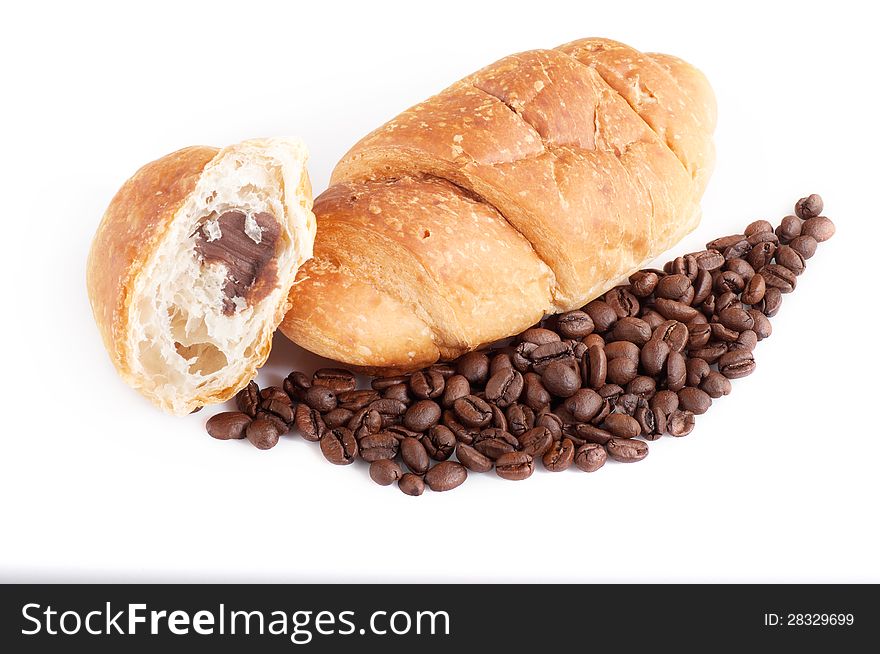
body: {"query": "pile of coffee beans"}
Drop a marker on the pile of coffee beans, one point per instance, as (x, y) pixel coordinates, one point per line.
(582, 387)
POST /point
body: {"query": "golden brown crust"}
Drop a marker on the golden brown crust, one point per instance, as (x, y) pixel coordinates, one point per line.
(594, 153)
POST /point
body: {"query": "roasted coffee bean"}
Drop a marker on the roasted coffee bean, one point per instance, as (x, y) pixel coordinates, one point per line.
(754, 290)
(634, 330)
(589, 457)
(275, 393)
(762, 237)
(804, 245)
(791, 259)
(536, 441)
(439, 442)
(602, 315)
(534, 394)
(694, 400)
(357, 400)
(279, 408)
(387, 407)
(296, 384)
(385, 472)
(727, 300)
(665, 401)
(337, 380)
(736, 364)
(757, 227)
(709, 259)
(381, 383)
(644, 415)
(673, 333)
(697, 369)
(365, 421)
(515, 466)
(604, 412)
(424, 414)
(627, 403)
(456, 386)
(702, 286)
(411, 484)
(716, 385)
(672, 310)
(820, 228)
(400, 432)
(762, 327)
(399, 392)
(446, 370)
(736, 250)
(228, 425)
(309, 423)
(445, 476)
(724, 242)
(622, 426)
(473, 411)
(729, 281)
(281, 426)
(546, 354)
(659, 426)
(676, 371)
(809, 207)
(474, 366)
(708, 307)
(499, 420)
(789, 228)
(780, 277)
(575, 324)
(499, 362)
(504, 387)
(686, 265)
(472, 459)
(736, 319)
(653, 356)
(338, 417)
(722, 333)
(642, 386)
(598, 366)
(761, 255)
(673, 287)
(461, 432)
(414, 455)
(262, 433)
(560, 379)
(560, 455)
(494, 442)
(427, 384)
(521, 356)
(643, 283)
(627, 450)
(381, 445)
(622, 302)
(593, 339)
(746, 340)
(578, 349)
(622, 349)
(320, 398)
(588, 433)
(741, 267)
(680, 423)
(622, 370)
(339, 446)
(699, 334)
(520, 419)
(711, 353)
(772, 302)
(549, 420)
(248, 399)
(539, 336)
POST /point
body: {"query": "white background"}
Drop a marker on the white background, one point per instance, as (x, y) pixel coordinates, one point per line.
(779, 482)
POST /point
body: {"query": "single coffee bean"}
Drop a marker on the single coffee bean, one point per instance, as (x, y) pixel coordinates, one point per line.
(672, 310)
(736, 250)
(560, 455)
(446, 370)
(673, 287)
(804, 245)
(736, 319)
(724, 242)
(281, 426)
(539, 336)
(411, 484)
(296, 384)
(495, 442)
(789, 228)
(499, 362)
(520, 419)
(365, 421)
(385, 472)
(472, 411)
(699, 334)
(741, 267)
(414, 455)
(248, 399)
(754, 290)
(686, 265)
(400, 432)
(522, 356)
(727, 300)
(665, 401)
(262, 433)
(462, 433)
(589, 457)
(709, 259)
(536, 441)
(707, 309)
(761, 255)
(736, 364)
(809, 207)
(382, 445)
(627, 450)
(320, 398)
(575, 324)
(622, 370)
(515, 466)
(676, 371)
(309, 423)
(772, 302)
(716, 385)
(550, 421)
(757, 227)
(711, 353)
(673, 333)
(546, 354)
(729, 281)
(381, 383)
(598, 368)
(653, 318)
(722, 333)
(474, 366)
(622, 426)
(338, 417)
(505, 386)
(534, 394)
(642, 386)
(653, 356)
(275, 393)
(697, 369)
(424, 414)
(627, 404)
(279, 408)
(622, 302)
(779, 277)
(680, 423)
(472, 459)
(228, 425)
(439, 442)
(702, 287)
(762, 327)
(820, 228)
(602, 315)
(791, 259)
(499, 420)
(748, 339)
(762, 237)
(339, 446)
(456, 386)
(445, 476)
(593, 339)
(659, 426)
(622, 349)
(337, 380)
(558, 378)
(647, 420)
(357, 400)
(634, 330)
(427, 385)
(399, 392)
(643, 283)
(588, 433)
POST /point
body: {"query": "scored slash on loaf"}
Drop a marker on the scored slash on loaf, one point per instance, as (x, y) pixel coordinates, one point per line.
(527, 188)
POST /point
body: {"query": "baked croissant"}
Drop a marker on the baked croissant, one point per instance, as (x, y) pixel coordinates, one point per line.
(529, 187)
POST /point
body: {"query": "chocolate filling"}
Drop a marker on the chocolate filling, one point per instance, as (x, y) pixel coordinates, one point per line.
(252, 271)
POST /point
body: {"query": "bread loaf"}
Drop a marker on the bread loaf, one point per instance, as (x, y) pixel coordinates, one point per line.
(529, 187)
